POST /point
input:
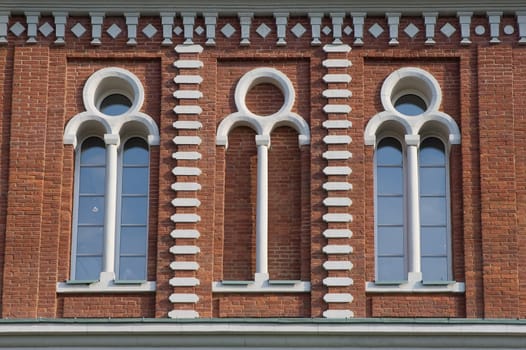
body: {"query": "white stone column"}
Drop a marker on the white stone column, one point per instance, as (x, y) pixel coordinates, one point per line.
(263, 143)
(413, 208)
(110, 203)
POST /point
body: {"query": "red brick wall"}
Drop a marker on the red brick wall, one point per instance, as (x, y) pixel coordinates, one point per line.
(483, 90)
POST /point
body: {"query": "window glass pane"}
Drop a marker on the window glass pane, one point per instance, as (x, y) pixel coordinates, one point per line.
(88, 268)
(390, 180)
(91, 210)
(390, 211)
(89, 240)
(135, 180)
(132, 268)
(410, 105)
(432, 152)
(433, 181)
(390, 241)
(391, 269)
(434, 241)
(136, 152)
(433, 211)
(435, 269)
(133, 240)
(93, 152)
(92, 180)
(134, 210)
(115, 104)
(389, 152)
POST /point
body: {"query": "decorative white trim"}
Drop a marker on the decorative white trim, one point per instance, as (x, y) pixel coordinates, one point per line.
(464, 19)
(132, 20)
(97, 19)
(186, 171)
(337, 109)
(494, 26)
(32, 23)
(337, 21)
(186, 155)
(188, 94)
(4, 20)
(337, 78)
(337, 281)
(337, 140)
(393, 20)
(245, 20)
(337, 186)
(167, 21)
(337, 265)
(188, 79)
(186, 186)
(262, 284)
(337, 202)
(106, 284)
(183, 298)
(337, 93)
(430, 21)
(415, 287)
(337, 155)
(179, 218)
(184, 249)
(210, 23)
(188, 48)
(315, 23)
(337, 233)
(187, 125)
(337, 170)
(184, 314)
(184, 266)
(338, 298)
(183, 282)
(341, 314)
(61, 19)
(337, 217)
(188, 64)
(281, 25)
(358, 19)
(336, 63)
(187, 140)
(337, 124)
(337, 249)
(188, 24)
(521, 22)
(186, 202)
(179, 233)
(188, 110)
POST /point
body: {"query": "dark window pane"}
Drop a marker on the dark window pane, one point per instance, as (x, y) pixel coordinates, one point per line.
(93, 152)
(92, 180)
(88, 268)
(91, 210)
(410, 105)
(390, 211)
(134, 210)
(435, 269)
(133, 240)
(135, 181)
(90, 240)
(432, 152)
(132, 268)
(115, 104)
(391, 269)
(136, 152)
(434, 241)
(432, 181)
(389, 152)
(390, 241)
(433, 211)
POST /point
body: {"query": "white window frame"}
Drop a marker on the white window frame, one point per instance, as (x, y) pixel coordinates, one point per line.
(263, 126)
(410, 131)
(112, 129)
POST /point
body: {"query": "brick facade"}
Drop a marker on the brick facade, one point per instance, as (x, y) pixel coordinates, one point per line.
(483, 89)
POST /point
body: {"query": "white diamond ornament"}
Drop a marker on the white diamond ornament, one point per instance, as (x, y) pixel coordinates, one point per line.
(178, 30)
(326, 30)
(298, 30)
(46, 29)
(263, 30)
(78, 30)
(17, 29)
(347, 30)
(411, 30)
(149, 31)
(228, 30)
(114, 31)
(376, 30)
(199, 30)
(448, 30)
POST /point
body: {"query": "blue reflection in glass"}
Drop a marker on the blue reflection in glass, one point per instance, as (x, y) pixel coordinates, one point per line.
(410, 105)
(115, 104)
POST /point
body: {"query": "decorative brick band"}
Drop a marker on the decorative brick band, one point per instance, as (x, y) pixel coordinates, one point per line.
(337, 157)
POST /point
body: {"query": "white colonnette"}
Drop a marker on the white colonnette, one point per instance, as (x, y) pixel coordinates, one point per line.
(186, 114)
(337, 157)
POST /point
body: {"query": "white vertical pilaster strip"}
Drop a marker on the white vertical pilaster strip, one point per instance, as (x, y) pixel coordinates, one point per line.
(132, 20)
(413, 224)
(110, 202)
(188, 24)
(61, 19)
(32, 23)
(4, 20)
(167, 21)
(494, 26)
(358, 19)
(430, 21)
(315, 23)
(393, 20)
(262, 143)
(245, 19)
(97, 18)
(281, 24)
(337, 21)
(464, 19)
(210, 24)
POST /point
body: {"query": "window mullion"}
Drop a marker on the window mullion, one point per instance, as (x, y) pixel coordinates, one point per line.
(413, 208)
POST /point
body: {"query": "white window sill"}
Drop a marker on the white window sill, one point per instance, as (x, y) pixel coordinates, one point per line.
(416, 287)
(106, 284)
(261, 284)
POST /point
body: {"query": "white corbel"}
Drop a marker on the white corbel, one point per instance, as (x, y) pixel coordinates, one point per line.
(337, 22)
(521, 21)
(464, 19)
(97, 18)
(188, 23)
(281, 24)
(210, 23)
(245, 19)
(494, 26)
(167, 21)
(430, 21)
(4, 20)
(132, 20)
(358, 19)
(315, 24)
(393, 20)
(61, 19)
(32, 24)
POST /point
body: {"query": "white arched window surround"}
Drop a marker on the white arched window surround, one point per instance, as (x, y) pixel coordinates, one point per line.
(263, 126)
(411, 131)
(115, 131)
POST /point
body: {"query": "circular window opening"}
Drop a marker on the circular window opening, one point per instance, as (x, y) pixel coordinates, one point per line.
(115, 104)
(411, 105)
